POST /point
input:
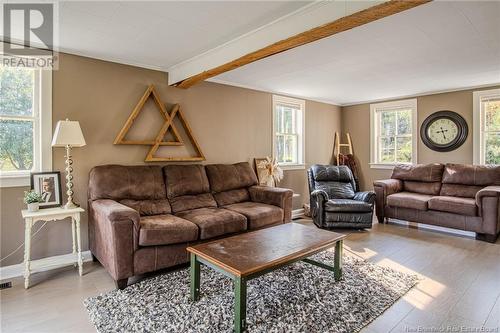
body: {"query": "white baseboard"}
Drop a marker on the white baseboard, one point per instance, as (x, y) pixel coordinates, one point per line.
(41, 265)
(297, 213)
(434, 228)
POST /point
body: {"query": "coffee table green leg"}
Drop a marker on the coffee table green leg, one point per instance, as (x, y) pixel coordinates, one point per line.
(339, 249)
(240, 304)
(195, 278)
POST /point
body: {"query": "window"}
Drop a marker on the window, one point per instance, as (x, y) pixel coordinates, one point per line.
(393, 133)
(25, 123)
(487, 127)
(288, 132)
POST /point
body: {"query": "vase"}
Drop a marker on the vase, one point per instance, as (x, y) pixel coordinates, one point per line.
(270, 182)
(33, 207)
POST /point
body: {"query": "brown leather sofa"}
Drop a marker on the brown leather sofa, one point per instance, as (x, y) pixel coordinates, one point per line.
(142, 218)
(459, 196)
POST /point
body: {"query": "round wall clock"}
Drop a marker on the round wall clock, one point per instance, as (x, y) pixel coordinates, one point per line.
(444, 131)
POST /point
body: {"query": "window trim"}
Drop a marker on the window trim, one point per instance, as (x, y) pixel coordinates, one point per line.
(377, 107)
(42, 133)
(478, 150)
(301, 140)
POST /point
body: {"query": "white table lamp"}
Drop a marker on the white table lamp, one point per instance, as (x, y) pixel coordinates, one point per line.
(68, 134)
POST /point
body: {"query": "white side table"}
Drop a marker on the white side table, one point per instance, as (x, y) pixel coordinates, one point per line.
(51, 214)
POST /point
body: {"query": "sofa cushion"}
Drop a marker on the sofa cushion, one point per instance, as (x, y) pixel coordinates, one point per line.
(409, 200)
(166, 229)
(118, 182)
(462, 206)
(213, 222)
(468, 174)
(148, 207)
(225, 177)
(185, 180)
(422, 187)
(347, 205)
(418, 172)
(458, 190)
(258, 214)
(230, 197)
(188, 202)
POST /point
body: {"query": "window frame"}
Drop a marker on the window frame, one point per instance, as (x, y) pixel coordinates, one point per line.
(375, 110)
(42, 132)
(478, 137)
(300, 123)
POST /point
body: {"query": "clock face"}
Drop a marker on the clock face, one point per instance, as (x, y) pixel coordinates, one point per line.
(442, 131)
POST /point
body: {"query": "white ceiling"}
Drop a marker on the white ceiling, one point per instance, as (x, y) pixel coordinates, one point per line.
(159, 34)
(443, 45)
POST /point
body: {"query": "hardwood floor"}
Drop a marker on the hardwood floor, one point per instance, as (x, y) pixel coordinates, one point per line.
(460, 285)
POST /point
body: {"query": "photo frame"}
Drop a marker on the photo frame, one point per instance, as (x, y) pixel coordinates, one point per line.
(48, 184)
(260, 171)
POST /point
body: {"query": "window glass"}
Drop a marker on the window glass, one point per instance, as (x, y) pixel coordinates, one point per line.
(17, 118)
(392, 132)
(288, 130)
(492, 131)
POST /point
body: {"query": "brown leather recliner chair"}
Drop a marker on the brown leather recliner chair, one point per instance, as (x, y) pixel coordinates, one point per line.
(334, 201)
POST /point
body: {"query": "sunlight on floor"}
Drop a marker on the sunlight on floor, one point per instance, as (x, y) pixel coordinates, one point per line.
(422, 294)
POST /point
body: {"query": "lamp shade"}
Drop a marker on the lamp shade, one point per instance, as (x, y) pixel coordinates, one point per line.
(68, 133)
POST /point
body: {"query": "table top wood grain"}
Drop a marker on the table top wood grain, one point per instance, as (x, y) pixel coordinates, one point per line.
(255, 251)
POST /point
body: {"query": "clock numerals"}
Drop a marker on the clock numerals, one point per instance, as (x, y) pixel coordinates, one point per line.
(444, 131)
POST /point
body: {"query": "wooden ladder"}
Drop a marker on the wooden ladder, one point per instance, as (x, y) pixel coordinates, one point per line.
(337, 145)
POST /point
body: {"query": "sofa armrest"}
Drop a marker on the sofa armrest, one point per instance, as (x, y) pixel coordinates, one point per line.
(366, 196)
(114, 235)
(277, 196)
(383, 188)
(488, 191)
(488, 202)
(390, 186)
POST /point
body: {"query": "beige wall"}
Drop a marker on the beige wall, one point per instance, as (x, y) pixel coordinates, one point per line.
(356, 121)
(231, 125)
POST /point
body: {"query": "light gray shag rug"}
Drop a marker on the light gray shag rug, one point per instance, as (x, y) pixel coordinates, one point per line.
(297, 298)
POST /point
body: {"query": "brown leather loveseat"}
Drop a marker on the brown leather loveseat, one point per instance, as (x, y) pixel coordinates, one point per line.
(459, 196)
(142, 218)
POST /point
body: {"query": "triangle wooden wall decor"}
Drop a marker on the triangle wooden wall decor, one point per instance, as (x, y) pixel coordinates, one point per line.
(167, 127)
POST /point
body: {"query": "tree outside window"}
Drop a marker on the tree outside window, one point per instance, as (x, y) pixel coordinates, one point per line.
(393, 133)
(288, 131)
(17, 118)
(492, 131)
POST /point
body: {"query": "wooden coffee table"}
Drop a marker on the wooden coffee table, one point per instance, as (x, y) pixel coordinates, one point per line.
(250, 255)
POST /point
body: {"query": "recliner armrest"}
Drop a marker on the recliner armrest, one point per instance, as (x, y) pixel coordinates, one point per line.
(320, 196)
(366, 196)
(277, 196)
(318, 199)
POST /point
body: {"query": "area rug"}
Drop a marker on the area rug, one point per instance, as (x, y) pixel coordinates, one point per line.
(297, 298)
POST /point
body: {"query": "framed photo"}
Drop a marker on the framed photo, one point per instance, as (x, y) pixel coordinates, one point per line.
(261, 172)
(48, 184)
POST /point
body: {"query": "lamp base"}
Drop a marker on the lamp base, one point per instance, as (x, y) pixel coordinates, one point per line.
(70, 205)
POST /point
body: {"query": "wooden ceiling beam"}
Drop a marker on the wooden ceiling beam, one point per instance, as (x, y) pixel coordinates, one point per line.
(326, 30)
